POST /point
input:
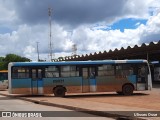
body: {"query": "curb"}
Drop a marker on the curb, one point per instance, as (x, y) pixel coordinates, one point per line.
(78, 109)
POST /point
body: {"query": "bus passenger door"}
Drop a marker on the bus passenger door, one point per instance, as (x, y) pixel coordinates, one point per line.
(92, 79)
(89, 81)
(142, 81)
(37, 83)
(85, 81)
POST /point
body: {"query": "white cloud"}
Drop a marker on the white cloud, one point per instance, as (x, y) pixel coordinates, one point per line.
(137, 8)
(137, 24)
(22, 40)
(151, 31)
(88, 40)
(29, 52)
(6, 15)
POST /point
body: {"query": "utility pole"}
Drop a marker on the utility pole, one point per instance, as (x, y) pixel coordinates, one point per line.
(38, 51)
(74, 50)
(50, 33)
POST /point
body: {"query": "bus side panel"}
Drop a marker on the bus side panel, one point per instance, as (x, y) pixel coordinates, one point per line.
(133, 80)
(107, 84)
(21, 86)
(85, 86)
(110, 83)
(72, 84)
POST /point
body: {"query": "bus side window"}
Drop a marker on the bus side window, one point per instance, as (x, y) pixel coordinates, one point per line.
(40, 73)
(14, 72)
(105, 70)
(131, 72)
(20, 72)
(52, 71)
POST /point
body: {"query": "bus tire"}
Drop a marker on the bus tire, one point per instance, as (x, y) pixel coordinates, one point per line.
(127, 89)
(59, 92)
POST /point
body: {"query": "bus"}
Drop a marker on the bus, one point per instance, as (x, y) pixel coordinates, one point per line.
(59, 78)
(3, 79)
(156, 71)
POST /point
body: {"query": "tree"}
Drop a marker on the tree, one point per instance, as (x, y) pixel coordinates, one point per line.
(1, 59)
(12, 58)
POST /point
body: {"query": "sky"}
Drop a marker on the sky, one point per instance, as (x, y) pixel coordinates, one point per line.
(93, 25)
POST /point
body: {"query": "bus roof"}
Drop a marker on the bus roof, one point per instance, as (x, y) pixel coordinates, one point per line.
(76, 62)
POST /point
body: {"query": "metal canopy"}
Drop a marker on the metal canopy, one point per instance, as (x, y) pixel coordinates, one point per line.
(150, 52)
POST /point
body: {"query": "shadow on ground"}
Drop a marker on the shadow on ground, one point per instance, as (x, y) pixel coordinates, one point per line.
(6, 98)
(102, 95)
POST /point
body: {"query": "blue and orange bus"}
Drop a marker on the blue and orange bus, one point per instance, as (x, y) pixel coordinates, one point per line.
(38, 78)
(3, 79)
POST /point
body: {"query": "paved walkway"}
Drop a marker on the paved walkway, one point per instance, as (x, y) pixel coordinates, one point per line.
(97, 108)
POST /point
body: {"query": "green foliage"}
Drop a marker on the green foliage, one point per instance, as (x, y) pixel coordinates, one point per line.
(15, 58)
(2, 66)
(11, 58)
(1, 59)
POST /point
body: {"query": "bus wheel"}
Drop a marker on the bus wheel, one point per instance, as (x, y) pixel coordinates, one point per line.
(127, 89)
(59, 92)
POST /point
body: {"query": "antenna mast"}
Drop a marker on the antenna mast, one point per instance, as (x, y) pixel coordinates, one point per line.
(74, 50)
(50, 33)
(38, 51)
